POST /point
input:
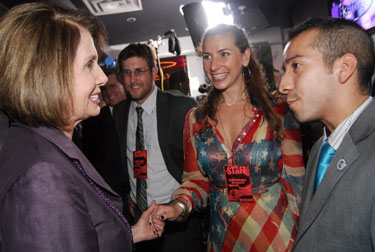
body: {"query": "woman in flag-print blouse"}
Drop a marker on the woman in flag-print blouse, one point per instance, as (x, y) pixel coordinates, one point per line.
(242, 153)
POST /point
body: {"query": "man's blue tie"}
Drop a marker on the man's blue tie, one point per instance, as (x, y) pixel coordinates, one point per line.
(325, 156)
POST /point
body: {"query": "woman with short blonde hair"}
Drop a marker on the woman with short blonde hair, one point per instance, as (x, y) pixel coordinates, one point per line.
(52, 198)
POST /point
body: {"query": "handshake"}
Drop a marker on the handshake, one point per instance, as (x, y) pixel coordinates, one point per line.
(151, 223)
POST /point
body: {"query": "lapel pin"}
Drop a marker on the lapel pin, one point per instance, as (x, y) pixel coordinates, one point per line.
(341, 164)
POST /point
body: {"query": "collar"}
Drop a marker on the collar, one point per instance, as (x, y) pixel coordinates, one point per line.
(56, 137)
(337, 136)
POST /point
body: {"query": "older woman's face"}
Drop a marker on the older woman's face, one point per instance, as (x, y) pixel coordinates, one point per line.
(87, 78)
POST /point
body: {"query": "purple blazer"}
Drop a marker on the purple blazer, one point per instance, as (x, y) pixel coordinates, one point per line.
(46, 204)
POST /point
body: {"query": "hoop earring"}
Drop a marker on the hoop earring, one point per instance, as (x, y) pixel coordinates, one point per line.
(246, 73)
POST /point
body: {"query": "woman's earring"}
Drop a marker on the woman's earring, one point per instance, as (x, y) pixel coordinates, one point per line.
(246, 71)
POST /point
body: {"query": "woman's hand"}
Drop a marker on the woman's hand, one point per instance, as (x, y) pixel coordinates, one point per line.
(167, 212)
(146, 228)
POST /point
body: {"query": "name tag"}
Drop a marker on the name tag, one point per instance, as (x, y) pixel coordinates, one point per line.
(237, 178)
(140, 163)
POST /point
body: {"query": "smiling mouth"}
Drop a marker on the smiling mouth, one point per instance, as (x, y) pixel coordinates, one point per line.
(94, 98)
(135, 86)
(218, 77)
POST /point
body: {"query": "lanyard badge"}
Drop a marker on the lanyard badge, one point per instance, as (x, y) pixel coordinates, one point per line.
(140, 163)
(237, 178)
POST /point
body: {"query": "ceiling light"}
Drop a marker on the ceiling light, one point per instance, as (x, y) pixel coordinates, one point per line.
(107, 7)
(181, 10)
(131, 20)
(217, 13)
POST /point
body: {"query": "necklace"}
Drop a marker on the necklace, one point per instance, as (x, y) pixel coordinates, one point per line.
(235, 101)
(230, 104)
(226, 139)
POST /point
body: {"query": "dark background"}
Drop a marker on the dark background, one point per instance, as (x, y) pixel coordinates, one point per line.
(159, 16)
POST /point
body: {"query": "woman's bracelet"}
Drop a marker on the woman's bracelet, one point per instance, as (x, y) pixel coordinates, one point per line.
(184, 215)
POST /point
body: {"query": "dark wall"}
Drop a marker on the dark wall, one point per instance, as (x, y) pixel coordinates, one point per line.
(304, 9)
(3, 9)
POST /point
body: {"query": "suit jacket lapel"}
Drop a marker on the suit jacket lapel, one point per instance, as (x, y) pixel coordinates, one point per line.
(313, 203)
(108, 128)
(347, 153)
(107, 117)
(308, 189)
(93, 174)
(62, 142)
(120, 117)
(162, 117)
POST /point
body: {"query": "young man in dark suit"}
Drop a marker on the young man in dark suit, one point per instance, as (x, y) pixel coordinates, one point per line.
(162, 118)
(328, 68)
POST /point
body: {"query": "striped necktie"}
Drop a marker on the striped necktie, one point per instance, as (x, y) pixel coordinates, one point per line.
(141, 196)
(325, 156)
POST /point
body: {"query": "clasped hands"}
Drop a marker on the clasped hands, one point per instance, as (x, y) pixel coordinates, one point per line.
(151, 223)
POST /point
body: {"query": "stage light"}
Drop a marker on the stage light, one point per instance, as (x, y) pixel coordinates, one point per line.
(217, 13)
(200, 16)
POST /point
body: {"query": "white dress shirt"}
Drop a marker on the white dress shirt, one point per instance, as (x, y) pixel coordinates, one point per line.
(160, 183)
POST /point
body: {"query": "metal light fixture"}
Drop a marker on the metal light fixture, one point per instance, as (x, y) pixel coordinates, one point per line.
(108, 7)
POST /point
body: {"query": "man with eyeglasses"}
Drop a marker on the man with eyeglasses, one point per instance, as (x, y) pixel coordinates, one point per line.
(158, 159)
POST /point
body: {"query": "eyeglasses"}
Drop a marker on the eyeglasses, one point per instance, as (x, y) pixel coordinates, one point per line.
(137, 72)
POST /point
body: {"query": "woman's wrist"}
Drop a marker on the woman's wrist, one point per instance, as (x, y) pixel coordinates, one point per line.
(185, 212)
(134, 230)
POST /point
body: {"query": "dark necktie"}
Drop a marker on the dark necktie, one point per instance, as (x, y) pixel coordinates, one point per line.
(141, 196)
(325, 156)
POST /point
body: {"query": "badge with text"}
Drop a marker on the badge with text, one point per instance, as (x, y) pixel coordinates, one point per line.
(237, 178)
(140, 163)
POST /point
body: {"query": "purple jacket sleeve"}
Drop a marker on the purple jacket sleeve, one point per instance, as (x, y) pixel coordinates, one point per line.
(45, 211)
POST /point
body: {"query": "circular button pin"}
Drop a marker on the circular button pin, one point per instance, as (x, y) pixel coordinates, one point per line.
(341, 164)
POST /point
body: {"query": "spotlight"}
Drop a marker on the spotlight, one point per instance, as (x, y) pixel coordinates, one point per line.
(200, 16)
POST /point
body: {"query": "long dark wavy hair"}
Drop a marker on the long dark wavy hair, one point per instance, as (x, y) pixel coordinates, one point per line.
(255, 81)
